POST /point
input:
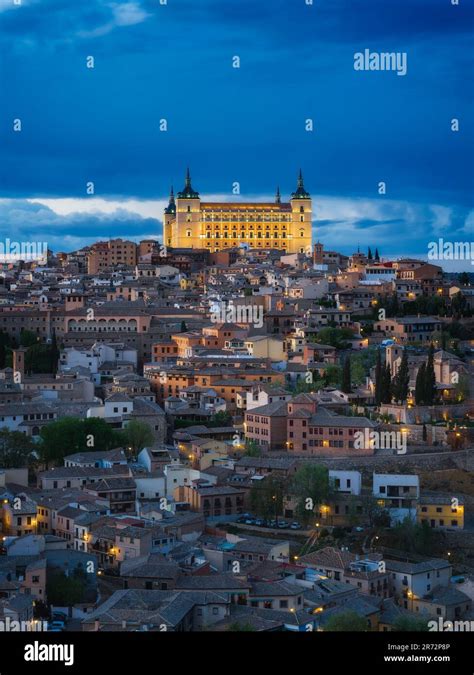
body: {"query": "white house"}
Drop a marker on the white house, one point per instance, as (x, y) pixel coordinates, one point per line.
(398, 493)
(95, 356)
(348, 482)
(263, 395)
(151, 487)
(410, 581)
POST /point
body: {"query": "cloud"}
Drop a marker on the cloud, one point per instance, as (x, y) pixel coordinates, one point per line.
(76, 223)
(343, 224)
(123, 14)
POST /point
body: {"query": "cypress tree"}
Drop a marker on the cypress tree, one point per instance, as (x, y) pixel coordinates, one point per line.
(346, 376)
(444, 340)
(378, 379)
(425, 433)
(377, 257)
(369, 254)
(386, 395)
(430, 378)
(420, 385)
(54, 354)
(401, 380)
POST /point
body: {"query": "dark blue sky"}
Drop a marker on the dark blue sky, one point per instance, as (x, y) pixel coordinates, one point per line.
(174, 61)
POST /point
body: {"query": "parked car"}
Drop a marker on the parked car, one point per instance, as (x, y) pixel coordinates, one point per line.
(272, 523)
(459, 579)
(296, 526)
(282, 524)
(61, 616)
(57, 625)
(259, 522)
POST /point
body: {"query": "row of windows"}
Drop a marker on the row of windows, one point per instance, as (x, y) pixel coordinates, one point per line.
(454, 523)
(439, 509)
(36, 416)
(247, 218)
(243, 227)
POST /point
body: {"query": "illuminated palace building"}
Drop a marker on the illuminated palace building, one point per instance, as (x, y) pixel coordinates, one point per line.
(216, 226)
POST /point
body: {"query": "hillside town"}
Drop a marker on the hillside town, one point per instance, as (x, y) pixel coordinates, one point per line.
(235, 438)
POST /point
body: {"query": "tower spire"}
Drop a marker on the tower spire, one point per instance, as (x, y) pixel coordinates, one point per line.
(171, 208)
(278, 196)
(300, 192)
(188, 192)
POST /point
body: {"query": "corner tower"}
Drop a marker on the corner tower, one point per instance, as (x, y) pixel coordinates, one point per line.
(168, 220)
(187, 233)
(301, 219)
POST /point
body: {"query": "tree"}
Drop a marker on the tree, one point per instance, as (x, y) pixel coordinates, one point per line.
(98, 435)
(70, 435)
(137, 436)
(420, 385)
(429, 379)
(372, 513)
(378, 379)
(267, 496)
(346, 376)
(464, 279)
(5, 343)
(462, 388)
(336, 337)
(54, 354)
(252, 448)
(386, 384)
(59, 439)
(410, 623)
(425, 433)
(444, 340)
(16, 450)
(413, 537)
(349, 622)
(377, 256)
(184, 328)
(65, 591)
(221, 419)
(401, 380)
(28, 338)
(361, 363)
(332, 374)
(310, 488)
(369, 254)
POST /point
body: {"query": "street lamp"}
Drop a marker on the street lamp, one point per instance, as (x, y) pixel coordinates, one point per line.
(293, 611)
